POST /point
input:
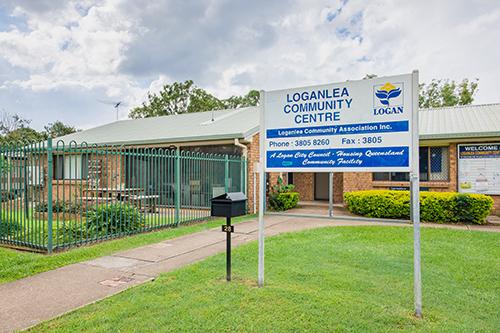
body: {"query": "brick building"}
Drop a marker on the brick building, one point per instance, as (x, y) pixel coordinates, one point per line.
(442, 132)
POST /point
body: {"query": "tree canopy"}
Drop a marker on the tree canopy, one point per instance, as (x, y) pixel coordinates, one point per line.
(57, 129)
(22, 135)
(439, 93)
(186, 97)
(15, 129)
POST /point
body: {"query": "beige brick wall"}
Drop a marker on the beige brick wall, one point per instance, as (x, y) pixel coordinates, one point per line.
(304, 184)
(338, 188)
(354, 181)
(496, 203)
(253, 158)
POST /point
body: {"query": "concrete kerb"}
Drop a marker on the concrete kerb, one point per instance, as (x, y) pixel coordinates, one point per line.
(340, 217)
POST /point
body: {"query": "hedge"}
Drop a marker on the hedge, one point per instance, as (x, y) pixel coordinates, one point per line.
(438, 207)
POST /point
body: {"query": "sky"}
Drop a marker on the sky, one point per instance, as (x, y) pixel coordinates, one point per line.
(68, 60)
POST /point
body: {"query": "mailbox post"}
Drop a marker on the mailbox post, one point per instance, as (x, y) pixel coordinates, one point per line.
(228, 205)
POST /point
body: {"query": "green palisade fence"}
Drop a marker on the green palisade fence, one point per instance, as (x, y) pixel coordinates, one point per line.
(57, 195)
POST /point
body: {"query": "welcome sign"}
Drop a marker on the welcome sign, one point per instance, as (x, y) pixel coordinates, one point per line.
(363, 125)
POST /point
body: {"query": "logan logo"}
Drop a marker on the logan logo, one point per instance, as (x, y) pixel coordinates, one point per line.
(388, 99)
(287, 163)
(386, 92)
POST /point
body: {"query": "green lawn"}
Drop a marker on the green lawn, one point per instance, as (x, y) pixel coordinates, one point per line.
(68, 230)
(333, 279)
(16, 264)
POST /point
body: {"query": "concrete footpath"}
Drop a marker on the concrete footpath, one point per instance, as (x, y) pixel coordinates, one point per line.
(29, 301)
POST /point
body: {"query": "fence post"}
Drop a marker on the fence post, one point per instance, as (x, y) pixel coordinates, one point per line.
(177, 182)
(226, 173)
(49, 194)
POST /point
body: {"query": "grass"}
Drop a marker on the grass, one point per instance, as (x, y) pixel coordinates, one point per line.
(332, 279)
(69, 230)
(16, 264)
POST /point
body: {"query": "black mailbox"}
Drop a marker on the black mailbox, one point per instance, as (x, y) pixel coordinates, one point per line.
(229, 204)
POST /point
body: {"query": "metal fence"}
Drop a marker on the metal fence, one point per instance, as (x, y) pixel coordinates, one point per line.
(55, 196)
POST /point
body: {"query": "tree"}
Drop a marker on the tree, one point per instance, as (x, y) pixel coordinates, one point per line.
(185, 97)
(23, 135)
(57, 129)
(250, 99)
(439, 93)
(11, 122)
(15, 130)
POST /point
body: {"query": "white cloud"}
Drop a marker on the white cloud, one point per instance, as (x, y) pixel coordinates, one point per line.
(123, 49)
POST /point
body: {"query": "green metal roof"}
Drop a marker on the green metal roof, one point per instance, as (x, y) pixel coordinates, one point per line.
(456, 122)
(441, 123)
(199, 126)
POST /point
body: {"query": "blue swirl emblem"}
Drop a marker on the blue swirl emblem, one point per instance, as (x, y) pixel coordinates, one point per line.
(386, 92)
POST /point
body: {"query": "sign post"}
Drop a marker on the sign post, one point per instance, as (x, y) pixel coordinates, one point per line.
(330, 194)
(262, 190)
(355, 126)
(228, 229)
(415, 199)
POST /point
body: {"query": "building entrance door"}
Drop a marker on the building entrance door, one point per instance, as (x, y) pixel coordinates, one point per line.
(321, 181)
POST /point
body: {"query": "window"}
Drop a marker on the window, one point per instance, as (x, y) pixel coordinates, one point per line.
(433, 167)
(70, 167)
(290, 178)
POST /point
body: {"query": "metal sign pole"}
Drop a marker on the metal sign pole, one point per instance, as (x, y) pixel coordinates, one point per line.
(415, 200)
(262, 191)
(228, 248)
(330, 194)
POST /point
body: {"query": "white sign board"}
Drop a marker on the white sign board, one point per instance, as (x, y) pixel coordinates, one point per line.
(363, 125)
(479, 168)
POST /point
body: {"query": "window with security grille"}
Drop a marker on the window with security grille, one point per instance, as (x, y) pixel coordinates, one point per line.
(434, 166)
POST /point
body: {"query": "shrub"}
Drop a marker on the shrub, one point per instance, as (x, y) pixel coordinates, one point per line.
(73, 207)
(114, 218)
(8, 195)
(59, 206)
(8, 228)
(282, 196)
(284, 201)
(439, 207)
(43, 207)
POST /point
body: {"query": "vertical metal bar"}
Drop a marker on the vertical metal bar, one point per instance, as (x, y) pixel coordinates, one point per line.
(228, 249)
(49, 193)
(2, 179)
(415, 203)
(262, 190)
(177, 186)
(25, 176)
(10, 197)
(226, 173)
(330, 194)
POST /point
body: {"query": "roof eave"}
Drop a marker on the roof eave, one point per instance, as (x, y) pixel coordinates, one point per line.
(175, 140)
(459, 135)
